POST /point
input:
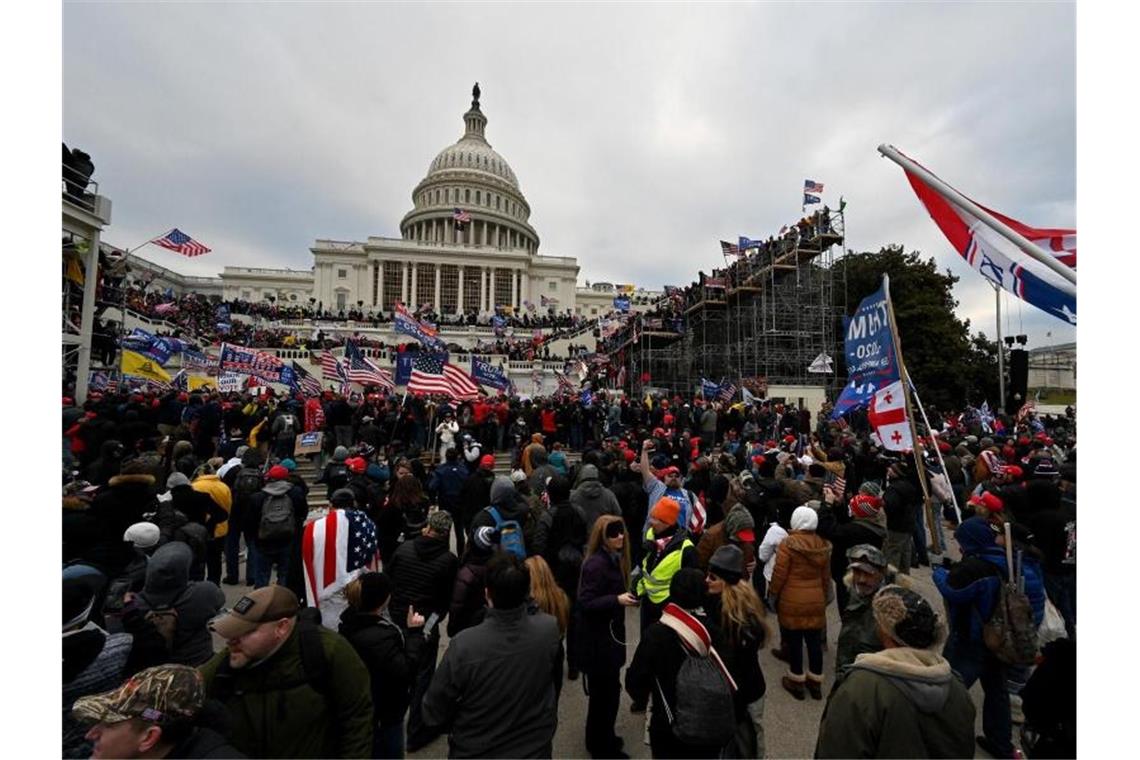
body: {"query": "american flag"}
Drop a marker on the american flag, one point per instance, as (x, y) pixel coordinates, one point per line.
(179, 241)
(308, 384)
(564, 384)
(333, 369)
(727, 391)
(729, 249)
(835, 485)
(362, 371)
(460, 217)
(812, 187)
(334, 550)
(430, 374)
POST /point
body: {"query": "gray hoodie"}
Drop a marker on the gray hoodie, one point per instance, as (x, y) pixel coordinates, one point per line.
(593, 498)
(168, 585)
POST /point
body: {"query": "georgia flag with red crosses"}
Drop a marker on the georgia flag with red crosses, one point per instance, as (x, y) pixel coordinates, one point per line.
(887, 416)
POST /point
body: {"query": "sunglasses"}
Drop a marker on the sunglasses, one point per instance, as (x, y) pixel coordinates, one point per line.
(615, 529)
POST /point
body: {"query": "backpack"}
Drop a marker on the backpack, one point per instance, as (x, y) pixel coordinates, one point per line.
(510, 534)
(704, 714)
(277, 520)
(1011, 633)
(165, 622)
(247, 483)
(288, 427)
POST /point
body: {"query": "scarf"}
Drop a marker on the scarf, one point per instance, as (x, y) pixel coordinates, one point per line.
(694, 637)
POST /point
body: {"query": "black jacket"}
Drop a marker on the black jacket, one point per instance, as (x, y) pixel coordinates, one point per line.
(423, 575)
(257, 501)
(742, 658)
(468, 602)
(901, 500)
(476, 494)
(392, 658)
(494, 689)
(114, 509)
(843, 534)
(205, 743)
(566, 539)
(602, 628)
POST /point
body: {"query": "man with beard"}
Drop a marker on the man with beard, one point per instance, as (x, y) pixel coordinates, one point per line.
(292, 688)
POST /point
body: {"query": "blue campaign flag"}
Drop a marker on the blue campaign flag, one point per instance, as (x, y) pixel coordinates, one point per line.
(222, 313)
(404, 368)
(142, 342)
(745, 243)
(810, 199)
(870, 352)
(407, 324)
(586, 397)
(709, 389)
(486, 373)
(621, 303)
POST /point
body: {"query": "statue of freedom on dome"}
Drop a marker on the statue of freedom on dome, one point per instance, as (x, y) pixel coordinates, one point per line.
(475, 96)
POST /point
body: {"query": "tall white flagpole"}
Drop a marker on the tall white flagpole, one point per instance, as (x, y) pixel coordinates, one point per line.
(953, 196)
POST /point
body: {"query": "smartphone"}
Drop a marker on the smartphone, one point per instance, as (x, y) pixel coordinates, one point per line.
(429, 626)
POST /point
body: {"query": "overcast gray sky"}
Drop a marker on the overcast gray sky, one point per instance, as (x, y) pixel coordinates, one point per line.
(641, 135)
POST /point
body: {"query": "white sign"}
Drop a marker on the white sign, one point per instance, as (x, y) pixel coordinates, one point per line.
(229, 382)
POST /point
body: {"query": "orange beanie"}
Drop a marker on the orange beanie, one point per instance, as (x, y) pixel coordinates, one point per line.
(666, 510)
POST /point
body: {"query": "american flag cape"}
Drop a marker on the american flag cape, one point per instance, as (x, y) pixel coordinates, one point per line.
(334, 550)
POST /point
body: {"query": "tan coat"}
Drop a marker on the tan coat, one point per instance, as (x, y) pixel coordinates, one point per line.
(800, 580)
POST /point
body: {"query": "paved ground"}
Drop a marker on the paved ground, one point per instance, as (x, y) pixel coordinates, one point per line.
(791, 726)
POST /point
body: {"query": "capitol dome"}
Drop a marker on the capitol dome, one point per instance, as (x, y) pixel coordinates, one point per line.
(470, 180)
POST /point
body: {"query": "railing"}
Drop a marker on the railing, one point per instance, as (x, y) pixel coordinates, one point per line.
(79, 189)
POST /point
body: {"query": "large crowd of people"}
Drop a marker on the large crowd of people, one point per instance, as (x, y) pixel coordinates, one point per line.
(731, 529)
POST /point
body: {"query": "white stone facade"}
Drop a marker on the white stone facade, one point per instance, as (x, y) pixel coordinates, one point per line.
(491, 261)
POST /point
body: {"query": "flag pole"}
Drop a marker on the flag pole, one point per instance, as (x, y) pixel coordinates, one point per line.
(905, 377)
(937, 451)
(953, 196)
(1000, 350)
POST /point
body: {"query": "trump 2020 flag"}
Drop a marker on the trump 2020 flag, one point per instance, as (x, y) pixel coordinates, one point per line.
(870, 352)
(887, 416)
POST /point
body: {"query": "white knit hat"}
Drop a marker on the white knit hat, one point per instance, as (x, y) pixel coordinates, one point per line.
(518, 476)
(804, 518)
(143, 535)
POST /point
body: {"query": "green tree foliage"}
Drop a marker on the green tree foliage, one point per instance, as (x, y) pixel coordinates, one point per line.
(948, 365)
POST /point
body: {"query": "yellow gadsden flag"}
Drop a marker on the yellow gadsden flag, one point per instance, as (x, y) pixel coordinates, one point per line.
(137, 365)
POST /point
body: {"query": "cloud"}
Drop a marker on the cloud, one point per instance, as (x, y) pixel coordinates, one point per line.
(640, 136)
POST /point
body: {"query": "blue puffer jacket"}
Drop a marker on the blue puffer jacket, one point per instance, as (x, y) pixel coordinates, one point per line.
(973, 584)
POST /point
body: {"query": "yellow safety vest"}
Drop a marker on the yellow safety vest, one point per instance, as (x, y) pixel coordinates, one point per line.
(655, 584)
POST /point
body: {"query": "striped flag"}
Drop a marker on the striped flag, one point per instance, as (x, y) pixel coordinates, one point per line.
(178, 241)
(729, 249)
(430, 374)
(306, 383)
(726, 392)
(333, 369)
(334, 550)
(813, 187)
(361, 370)
(461, 218)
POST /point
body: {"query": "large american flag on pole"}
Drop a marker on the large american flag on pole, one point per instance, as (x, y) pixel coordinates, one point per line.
(306, 383)
(334, 550)
(333, 369)
(178, 241)
(431, 374)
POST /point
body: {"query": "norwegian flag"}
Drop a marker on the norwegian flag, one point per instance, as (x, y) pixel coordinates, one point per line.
(334, 550)
(887, 416)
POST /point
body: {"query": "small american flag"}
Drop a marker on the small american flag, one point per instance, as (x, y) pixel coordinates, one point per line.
(308, 384)
(729, 249)
(835, 485)
(362, 371)
(334, 550)
(460, 217)
(430, 374)
(179, 241)
(727, 391)
(812, 187)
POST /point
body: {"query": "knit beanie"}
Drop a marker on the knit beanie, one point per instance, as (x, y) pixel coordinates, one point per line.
(343, 498)
(871, 488)
(289, 464)
(739, 524)
(804, 518)
(177, 479)
(974, 535)
(340, 453)
(907, 618)
(666, 510)
(864, 506)
(440, 522)
(277, 472)
(687, 588)
(143, 535)
(728, 563)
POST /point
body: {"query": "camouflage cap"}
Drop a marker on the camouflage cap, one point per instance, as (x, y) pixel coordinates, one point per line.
(866, 557)
(162, 694)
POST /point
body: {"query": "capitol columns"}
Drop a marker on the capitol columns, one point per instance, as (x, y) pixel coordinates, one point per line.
(460, 307)
(435, 305)
(515, 289)
(413, 293)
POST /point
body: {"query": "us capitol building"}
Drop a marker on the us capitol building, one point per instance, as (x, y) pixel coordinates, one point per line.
(490, 261)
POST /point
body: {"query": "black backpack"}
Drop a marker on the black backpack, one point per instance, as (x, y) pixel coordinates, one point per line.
(277, 520)
(704, 714)
(247, 483)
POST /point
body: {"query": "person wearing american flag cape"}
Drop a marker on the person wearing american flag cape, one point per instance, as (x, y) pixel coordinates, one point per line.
(335, 549)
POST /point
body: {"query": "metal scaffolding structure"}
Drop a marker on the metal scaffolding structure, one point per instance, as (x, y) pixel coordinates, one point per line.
(768, 315)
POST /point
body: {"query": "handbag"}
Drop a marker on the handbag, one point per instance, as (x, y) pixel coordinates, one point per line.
(1052, 625)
